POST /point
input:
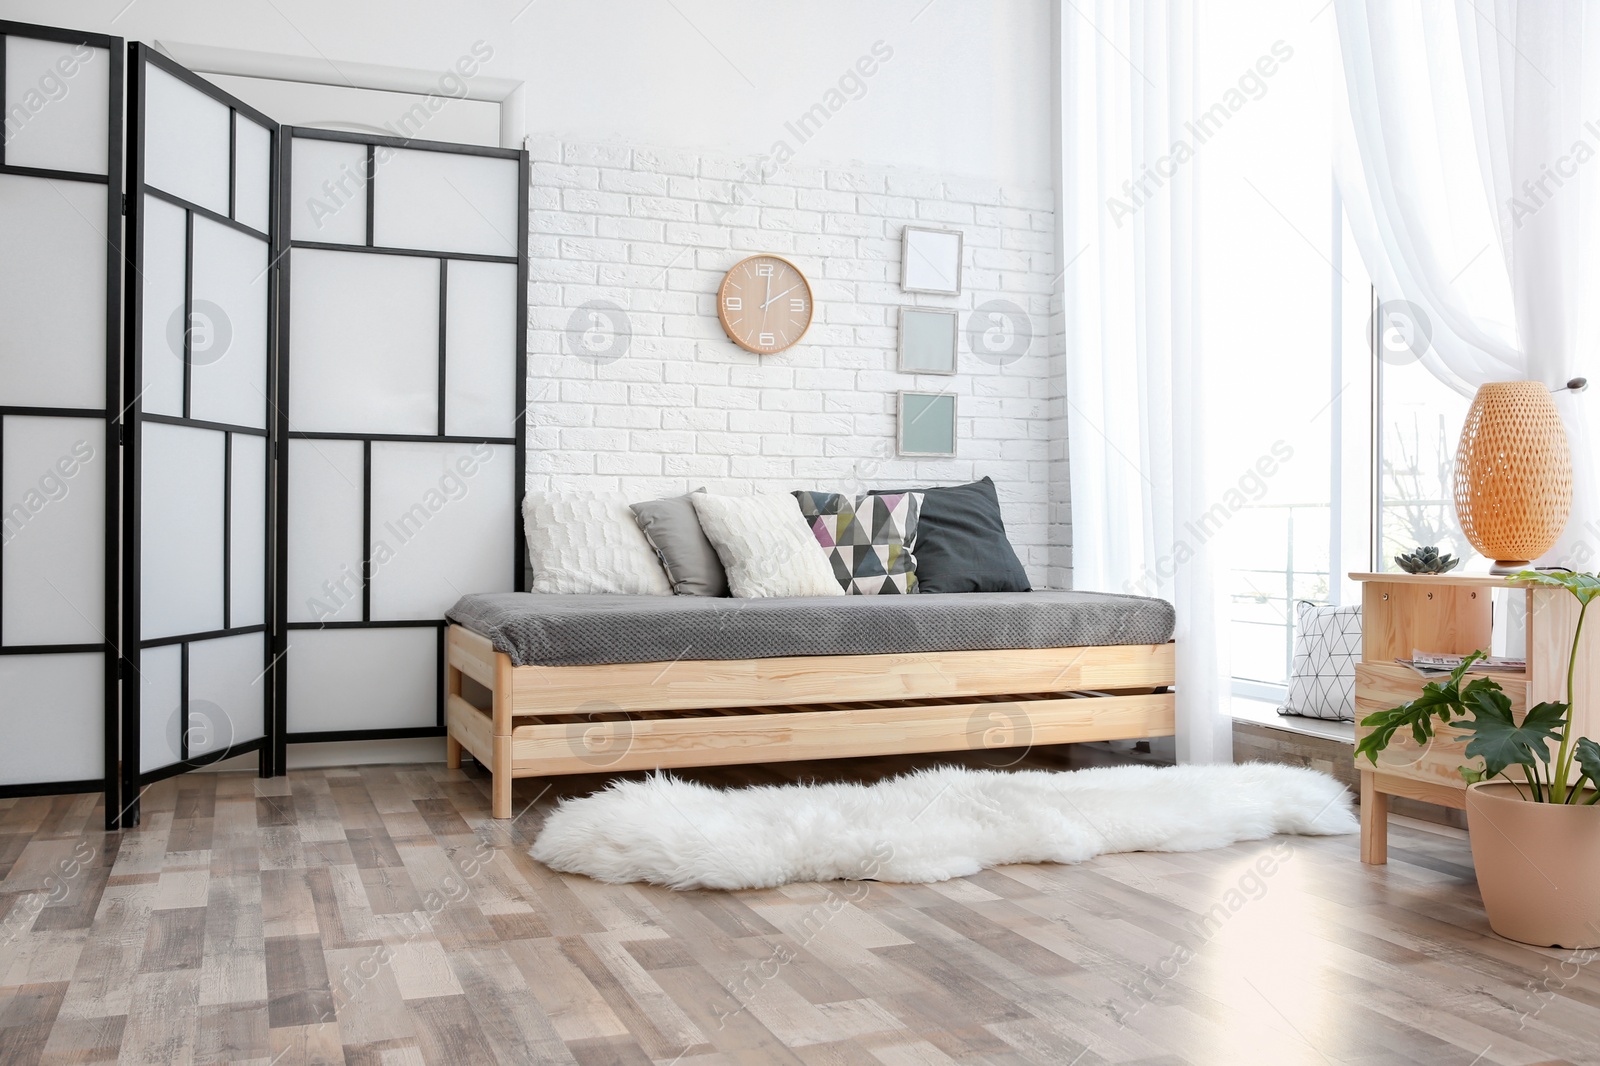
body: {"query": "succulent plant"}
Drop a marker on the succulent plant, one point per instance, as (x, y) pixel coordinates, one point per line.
(1426, 561)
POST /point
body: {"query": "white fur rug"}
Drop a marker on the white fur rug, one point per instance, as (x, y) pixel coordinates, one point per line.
(926, 826)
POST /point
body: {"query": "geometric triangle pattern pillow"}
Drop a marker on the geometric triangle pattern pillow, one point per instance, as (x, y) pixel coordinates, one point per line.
(869, 540)
(1327, 646)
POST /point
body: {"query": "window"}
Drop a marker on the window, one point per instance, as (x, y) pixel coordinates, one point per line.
(1420, 418)
(1285, 305)
(1340, 443)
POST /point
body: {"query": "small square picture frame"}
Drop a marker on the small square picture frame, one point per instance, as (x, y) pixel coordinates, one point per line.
(929, 340)
(925, 425)
(930, 260)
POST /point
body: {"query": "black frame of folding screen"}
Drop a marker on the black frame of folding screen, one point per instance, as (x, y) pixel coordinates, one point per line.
(112, 179)
(132, 779)
(280, 730)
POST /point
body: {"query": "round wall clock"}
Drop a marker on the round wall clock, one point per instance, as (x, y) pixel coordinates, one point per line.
(764, 304)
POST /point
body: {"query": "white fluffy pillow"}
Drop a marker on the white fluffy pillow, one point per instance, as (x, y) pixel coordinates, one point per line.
(589, 542)
(766, 546)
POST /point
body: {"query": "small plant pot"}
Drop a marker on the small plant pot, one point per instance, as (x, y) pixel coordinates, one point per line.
(1538, 866)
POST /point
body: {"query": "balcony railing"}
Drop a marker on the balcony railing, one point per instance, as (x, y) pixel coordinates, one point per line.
(1263, 596)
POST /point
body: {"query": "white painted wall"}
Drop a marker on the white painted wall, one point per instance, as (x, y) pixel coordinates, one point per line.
(967, 92)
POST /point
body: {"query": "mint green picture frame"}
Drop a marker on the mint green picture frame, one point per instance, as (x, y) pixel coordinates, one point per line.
(929, 340)
(926, 424)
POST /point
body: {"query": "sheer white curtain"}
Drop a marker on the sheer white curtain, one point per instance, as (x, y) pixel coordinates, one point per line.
(1136, 390)
(1470, 175)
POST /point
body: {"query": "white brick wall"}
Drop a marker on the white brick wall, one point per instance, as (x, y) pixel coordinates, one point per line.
(651, 232)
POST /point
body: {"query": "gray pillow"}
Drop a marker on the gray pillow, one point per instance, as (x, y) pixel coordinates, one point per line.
(673, 530)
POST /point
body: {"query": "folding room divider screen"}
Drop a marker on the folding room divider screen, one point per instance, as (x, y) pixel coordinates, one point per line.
(316, 385)
(60, 383)
(402, 378)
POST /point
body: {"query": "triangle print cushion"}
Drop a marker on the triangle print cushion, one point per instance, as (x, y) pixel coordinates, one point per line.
(1327, 645)
(870, 540)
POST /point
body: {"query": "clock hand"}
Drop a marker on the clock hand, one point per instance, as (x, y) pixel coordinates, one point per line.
(781, 295)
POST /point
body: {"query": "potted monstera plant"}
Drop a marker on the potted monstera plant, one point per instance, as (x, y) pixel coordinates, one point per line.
(1531, 810)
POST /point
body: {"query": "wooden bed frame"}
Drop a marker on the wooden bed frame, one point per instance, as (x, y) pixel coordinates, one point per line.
(534, 721)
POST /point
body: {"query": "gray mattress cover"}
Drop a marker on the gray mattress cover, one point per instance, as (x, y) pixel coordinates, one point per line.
(590, 630)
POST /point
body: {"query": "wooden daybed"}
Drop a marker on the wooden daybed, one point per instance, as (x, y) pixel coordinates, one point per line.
(537, 719)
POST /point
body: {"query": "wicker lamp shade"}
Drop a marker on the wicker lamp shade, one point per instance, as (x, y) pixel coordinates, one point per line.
(1513, 479)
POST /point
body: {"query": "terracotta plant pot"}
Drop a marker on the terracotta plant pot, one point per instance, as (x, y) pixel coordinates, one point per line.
(1538, 866)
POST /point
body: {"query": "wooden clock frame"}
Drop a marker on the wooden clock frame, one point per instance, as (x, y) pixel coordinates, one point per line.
(722, 313)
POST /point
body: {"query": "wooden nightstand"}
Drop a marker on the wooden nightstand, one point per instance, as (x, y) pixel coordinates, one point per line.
(1453, 614)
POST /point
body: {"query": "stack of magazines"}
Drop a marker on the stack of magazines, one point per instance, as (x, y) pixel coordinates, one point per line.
(1435, 664)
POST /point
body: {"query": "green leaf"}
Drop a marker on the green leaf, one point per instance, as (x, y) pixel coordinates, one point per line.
(1588, 755)
(1584, 586)
(1483, 695)
(1471, 776)
(1439, 699)
(1501, 742)
(1466, 664)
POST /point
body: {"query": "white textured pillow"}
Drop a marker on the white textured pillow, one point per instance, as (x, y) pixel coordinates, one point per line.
(589, 542)
(766, 546)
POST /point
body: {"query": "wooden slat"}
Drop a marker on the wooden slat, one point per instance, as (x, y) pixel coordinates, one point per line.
(472, 654)
(471, 727)
(701, 684)
(720, 740)
(1476, 581)
(1425, 791)
(593, 717)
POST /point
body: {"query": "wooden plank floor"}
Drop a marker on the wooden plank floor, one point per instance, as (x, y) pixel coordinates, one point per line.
(376, 915)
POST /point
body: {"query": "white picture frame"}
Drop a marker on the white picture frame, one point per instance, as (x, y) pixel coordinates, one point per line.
(929, 340)
(930, 260)
(926, 424)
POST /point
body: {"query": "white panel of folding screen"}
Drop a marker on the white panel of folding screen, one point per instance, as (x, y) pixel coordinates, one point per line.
(403, 330)
(201, 290)
(60, 374)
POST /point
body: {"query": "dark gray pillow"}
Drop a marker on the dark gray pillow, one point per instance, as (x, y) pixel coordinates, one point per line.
(673, 530)
(961, 543)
